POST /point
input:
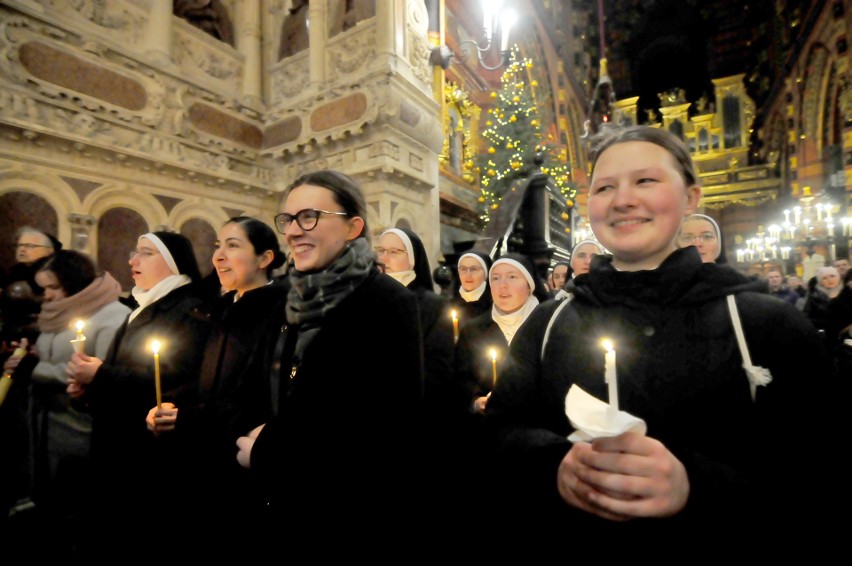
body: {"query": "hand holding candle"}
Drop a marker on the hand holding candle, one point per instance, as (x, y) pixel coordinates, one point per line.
(80, 340)
(609, 373)
(455, 325)
(155, 347)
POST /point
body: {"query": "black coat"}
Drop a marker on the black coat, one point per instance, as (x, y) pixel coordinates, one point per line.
(474, 369)
(348, 415)
(127, 458)
(679, 369)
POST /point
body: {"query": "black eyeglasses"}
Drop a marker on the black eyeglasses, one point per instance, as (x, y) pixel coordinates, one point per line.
(306, 219)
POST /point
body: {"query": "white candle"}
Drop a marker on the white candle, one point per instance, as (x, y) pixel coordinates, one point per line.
(609, 373)
(786, 216)
(455, 326)
(78, 342)
(819, 212)
(797, 215)
(155, 347)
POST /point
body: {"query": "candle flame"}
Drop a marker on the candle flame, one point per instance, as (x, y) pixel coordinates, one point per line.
(79, 325)
(155, 347)
(493, 353)
(607, 344)
(455, 315)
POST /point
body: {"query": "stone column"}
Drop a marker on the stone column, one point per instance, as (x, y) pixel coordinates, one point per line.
(388, 34)
(249, 44)
(317, 36)
(159, 33)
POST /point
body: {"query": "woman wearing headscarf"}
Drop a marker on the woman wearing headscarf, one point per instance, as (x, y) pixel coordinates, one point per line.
(119, 388)
(827, 288)
(481, 353)
(560, 274)
(515, 291)
(474, 292)
(703, 232)
(403, 255)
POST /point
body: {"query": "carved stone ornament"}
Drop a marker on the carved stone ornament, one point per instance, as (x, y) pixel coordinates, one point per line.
(291, 78)
(350, 53)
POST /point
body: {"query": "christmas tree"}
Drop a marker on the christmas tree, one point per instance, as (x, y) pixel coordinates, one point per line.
(513, 136)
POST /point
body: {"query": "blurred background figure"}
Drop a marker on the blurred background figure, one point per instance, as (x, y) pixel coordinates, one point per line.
(61, 433)
(474, 292)
(21, 296)
(701, 231)
(778, 289)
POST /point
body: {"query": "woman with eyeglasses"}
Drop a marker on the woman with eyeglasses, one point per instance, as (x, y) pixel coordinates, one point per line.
(403, 257)
(342, 375)
(717, 411)
(474, 291)
(703, 232)
(118, 389)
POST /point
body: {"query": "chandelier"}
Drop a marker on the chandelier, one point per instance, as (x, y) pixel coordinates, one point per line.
(493, 18)
(812, 221)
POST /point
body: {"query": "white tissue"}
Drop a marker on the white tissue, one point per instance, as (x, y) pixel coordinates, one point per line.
(592, 418)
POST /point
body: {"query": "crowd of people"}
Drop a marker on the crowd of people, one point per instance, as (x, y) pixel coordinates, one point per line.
(343, 397)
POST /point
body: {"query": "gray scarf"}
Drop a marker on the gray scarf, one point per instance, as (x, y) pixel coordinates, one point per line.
(313, 295)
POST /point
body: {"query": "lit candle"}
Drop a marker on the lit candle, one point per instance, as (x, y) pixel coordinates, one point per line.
(786, 216)
(819, 212)
(797, 214)
(493, 354)
(609, 373)
(77, 343)
(740, 256)
(455, 326)
(830, 230)
(155, 347)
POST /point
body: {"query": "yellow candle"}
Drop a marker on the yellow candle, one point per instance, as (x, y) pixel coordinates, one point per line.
(609, 373)
(455, 325)
(493, 353)
(155, 347)
(77, 343)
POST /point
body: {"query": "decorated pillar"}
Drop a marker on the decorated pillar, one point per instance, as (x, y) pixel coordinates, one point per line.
(158, 33)
(249, 44)
(318, 36)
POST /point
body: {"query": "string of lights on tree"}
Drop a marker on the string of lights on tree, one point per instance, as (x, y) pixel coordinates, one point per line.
(514, 136)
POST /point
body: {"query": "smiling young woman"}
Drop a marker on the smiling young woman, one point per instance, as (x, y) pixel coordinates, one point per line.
(343, 421)
(708, 467)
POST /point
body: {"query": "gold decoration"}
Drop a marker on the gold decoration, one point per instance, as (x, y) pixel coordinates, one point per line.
(567, 230)
(534, 83)
(491, 150)
(516, 98)
(569, 203)
(482, 200)
(565, 216)
(494, 206)
(493, 95)
(513, 118)
(534, 123)
(491, 172)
